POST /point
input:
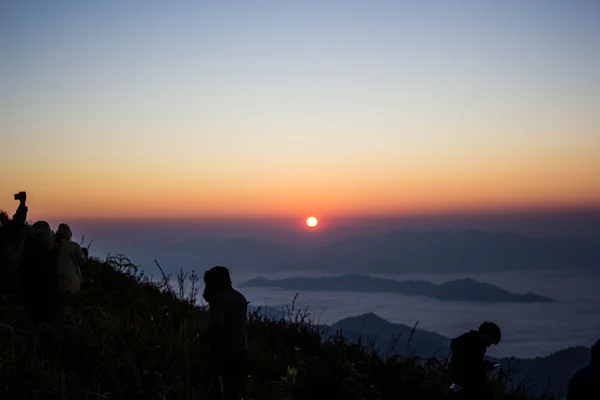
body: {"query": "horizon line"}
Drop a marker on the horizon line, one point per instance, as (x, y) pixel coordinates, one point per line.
(525, 211)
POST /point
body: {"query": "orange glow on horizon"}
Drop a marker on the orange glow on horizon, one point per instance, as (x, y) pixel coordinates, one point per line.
(140, 191)
(167, 210)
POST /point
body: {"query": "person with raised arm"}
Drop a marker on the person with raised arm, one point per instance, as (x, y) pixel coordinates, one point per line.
(10, 229)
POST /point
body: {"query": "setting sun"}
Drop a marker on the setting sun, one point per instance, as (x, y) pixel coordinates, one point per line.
(311, 222)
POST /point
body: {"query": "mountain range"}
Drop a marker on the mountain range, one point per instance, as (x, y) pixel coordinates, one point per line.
(456, 290)
(447, 251)
(406, 251)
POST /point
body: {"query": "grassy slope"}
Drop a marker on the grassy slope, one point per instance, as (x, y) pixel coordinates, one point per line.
(124, 337)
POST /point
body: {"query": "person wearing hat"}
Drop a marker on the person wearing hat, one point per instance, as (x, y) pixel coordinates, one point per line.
(585, 383)
(468, 369)
(38, 274)
(227, 333)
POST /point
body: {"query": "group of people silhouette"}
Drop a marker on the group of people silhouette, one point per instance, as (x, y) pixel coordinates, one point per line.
(50, 273)
(49, 263)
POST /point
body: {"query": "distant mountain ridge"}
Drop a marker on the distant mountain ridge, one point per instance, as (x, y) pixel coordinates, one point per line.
(457, 290)
(389, 337)
(406, 251)
(463, 251)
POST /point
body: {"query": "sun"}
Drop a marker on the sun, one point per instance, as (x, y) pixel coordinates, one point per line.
(311, 222)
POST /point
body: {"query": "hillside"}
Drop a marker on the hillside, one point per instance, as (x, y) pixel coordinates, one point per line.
(456, 290)
(126, 337)
(538, 374)
(382, 335)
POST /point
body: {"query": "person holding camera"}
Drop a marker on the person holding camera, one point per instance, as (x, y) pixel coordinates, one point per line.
(10, 230)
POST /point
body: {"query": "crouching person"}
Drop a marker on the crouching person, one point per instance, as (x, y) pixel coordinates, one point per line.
(227, 333)
(467, 367)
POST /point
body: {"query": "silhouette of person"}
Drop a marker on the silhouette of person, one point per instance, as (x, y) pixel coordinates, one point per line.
(70, 261)
(10, 230)
(585, 383)
(38, 274)
(227, 333)
(468, 369)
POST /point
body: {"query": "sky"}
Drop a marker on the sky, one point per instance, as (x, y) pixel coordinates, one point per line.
(148, 109)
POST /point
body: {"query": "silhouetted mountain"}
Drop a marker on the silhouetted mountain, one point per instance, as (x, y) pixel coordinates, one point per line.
(396, 252)
(457, 290)
(239, 254)
(389, 337)
(446, 251)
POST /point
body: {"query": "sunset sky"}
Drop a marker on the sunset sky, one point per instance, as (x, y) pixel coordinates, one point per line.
(281, 108)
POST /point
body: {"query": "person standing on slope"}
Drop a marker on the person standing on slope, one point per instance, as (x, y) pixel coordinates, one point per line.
(227, 333)
(10, 229)
(38, 275)
(10, 242)
(468, 369)
(585, 384)
(70, 261)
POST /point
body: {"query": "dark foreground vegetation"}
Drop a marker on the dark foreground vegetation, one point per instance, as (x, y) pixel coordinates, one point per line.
(128, 336)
